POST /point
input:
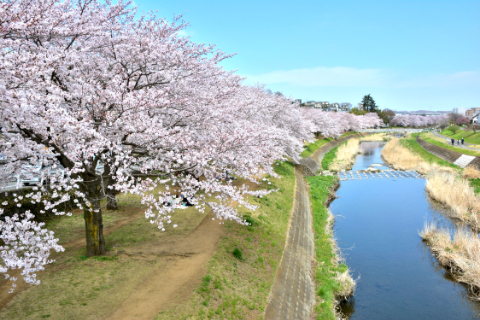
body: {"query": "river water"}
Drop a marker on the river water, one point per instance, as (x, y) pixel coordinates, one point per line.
(377, 225)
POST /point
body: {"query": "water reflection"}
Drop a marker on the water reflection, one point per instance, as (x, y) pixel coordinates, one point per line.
(400, 278)
(371, 153)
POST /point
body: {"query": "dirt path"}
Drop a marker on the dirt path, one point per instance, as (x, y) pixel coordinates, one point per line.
(174, 281)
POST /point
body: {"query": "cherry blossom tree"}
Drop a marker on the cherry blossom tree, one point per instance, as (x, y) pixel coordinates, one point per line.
(418, 121)
(124, 105)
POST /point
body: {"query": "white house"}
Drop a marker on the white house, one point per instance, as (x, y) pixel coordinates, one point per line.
(475, 118)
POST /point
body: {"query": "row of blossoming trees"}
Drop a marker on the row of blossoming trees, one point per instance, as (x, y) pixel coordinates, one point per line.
(420, 121)
(84, 83)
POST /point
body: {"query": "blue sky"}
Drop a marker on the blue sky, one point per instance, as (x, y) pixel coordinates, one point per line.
(408, 55)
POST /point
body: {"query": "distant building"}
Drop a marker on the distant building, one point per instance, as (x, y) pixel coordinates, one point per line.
(460, 111)
(345, 106)
(299, 101)
(473, 111)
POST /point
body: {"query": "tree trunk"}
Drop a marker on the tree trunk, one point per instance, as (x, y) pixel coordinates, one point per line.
(110, 193)
(111, 199)
(93, 217)
(94, 231)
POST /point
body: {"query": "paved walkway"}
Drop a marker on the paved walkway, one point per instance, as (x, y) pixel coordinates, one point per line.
(449, 142)
(292, 295)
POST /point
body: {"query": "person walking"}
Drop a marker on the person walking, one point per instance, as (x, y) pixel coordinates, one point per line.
(458, 142)
(453, 142)
(463, 141)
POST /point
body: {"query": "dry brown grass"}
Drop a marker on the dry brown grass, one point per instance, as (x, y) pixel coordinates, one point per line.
(471, 173)
(460, 254)
(456, 193)
(401, 158)
(345, 155)
(377, 137)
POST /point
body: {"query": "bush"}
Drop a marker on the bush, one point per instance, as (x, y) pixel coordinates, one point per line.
(237, 254)
(454, 129)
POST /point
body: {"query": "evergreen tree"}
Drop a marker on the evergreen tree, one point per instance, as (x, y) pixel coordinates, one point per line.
(369, 104)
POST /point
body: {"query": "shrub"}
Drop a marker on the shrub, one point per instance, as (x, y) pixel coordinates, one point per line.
(237, 254)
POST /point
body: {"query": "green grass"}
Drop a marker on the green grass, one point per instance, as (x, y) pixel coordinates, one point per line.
(469, 136)
(237, 288)
(312, 147)
(329, 157)
(412, 144)
(326, 269)
(475, 183)
(445, 145)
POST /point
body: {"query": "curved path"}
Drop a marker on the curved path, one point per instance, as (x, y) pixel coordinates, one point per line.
(292, 295)
(448, 139)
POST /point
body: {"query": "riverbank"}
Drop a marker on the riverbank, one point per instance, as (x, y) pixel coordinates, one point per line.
(341, 157)
(334, 282)
(456, 189)
(459, 254)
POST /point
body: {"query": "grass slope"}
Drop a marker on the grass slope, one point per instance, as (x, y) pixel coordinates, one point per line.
(430, 138)
(241, 272)
(330, 157)
(413, 145)
(469, 136)
(312, 147)
(327, 287)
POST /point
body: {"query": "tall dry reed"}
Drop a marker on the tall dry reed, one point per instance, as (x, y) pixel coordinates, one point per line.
(460, 254)
(345, 156)
(401, 158)
(455, 192)
(377, 137)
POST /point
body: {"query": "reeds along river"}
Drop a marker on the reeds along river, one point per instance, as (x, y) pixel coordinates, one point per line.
(377, 225)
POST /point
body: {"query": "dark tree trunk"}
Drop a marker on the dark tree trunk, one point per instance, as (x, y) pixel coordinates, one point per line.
(111, 199)
(94, 231)
(110, 193)
(93, 217)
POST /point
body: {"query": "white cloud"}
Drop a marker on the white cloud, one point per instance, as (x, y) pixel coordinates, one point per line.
(464, 78)
(324, 77)
(362, 78)
(183, 33)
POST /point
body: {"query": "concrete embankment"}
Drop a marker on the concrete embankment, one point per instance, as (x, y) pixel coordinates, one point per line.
(460, 159)
(292, 295)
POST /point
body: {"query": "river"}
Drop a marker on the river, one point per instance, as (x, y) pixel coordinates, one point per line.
(377, 225)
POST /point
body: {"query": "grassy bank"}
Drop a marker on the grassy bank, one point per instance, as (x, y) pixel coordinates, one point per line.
(459, 254)
(241, 272)
(310, 148)
(344, 156)
(431, 138)
(469, 136)
(330, 157)
(407, 154)
(333, 280)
